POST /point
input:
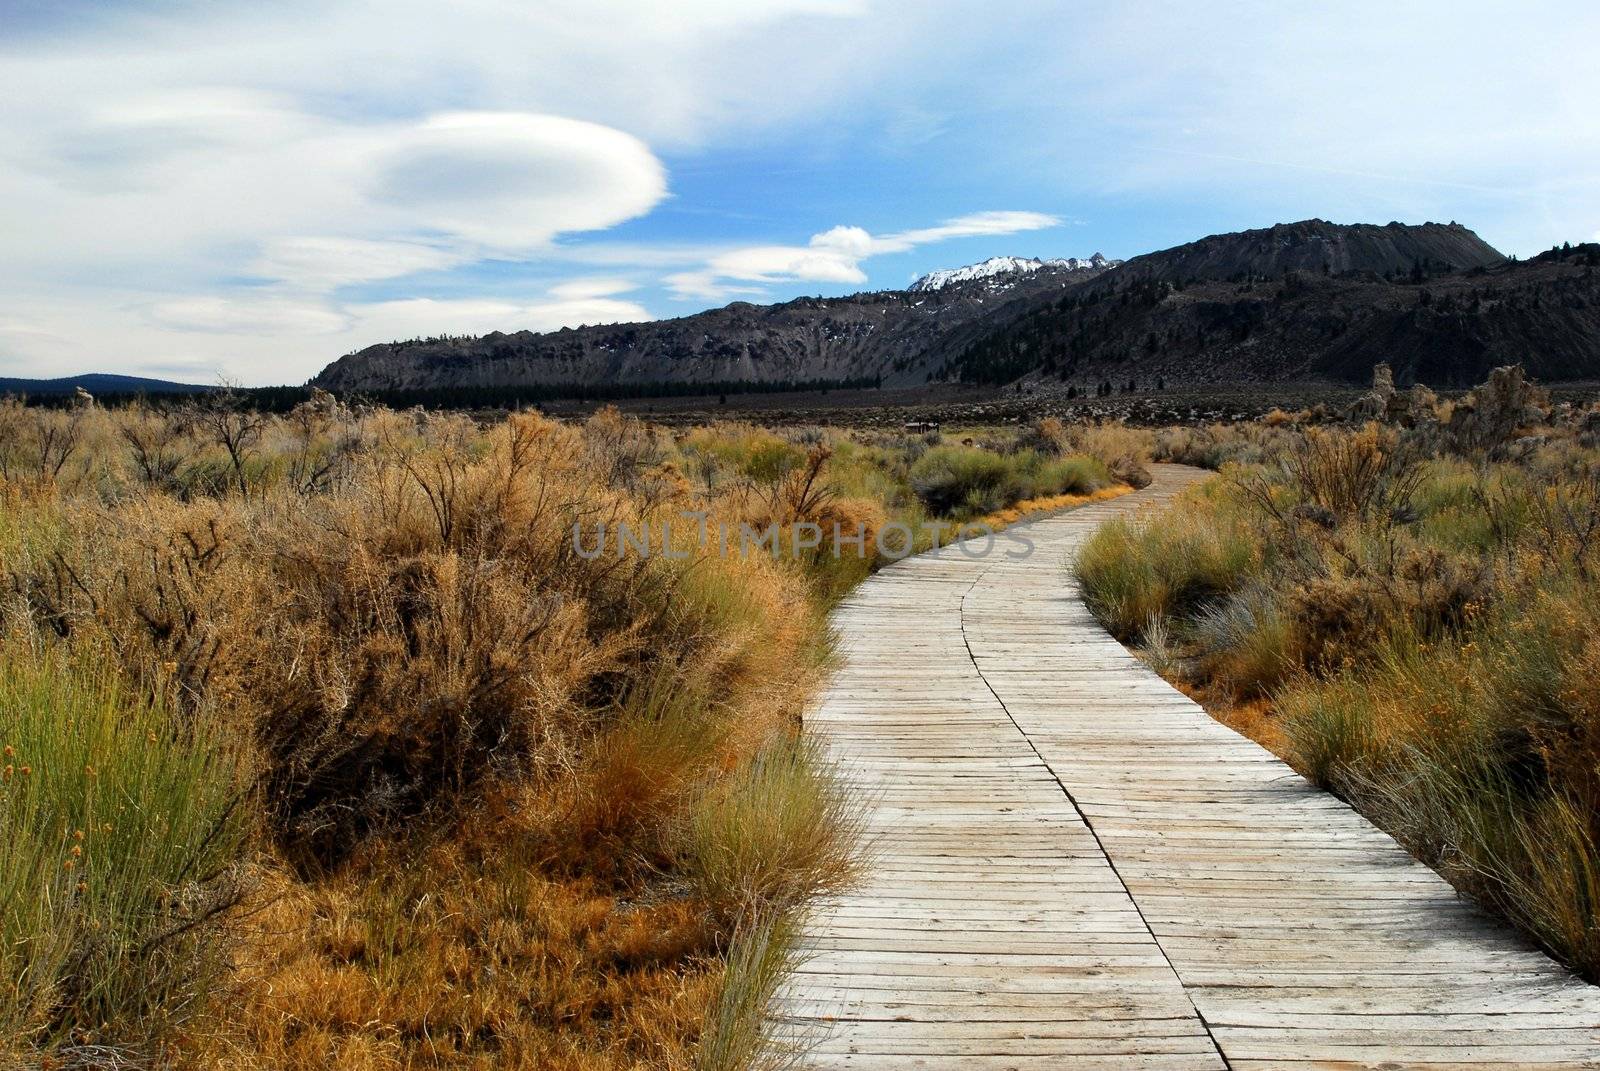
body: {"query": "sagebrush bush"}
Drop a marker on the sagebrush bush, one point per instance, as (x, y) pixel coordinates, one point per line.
(965, 481)
(1361, 474)
(1162, 565)
(411, 652)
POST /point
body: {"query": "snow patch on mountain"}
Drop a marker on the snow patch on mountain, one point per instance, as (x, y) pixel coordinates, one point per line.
(998, 267)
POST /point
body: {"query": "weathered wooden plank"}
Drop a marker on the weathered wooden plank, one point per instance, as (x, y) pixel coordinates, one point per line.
(1075, 867)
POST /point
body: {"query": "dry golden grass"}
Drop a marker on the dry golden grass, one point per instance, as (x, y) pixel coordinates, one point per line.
(461, 953)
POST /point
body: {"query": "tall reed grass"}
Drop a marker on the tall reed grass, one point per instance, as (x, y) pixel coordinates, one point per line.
(122, 824)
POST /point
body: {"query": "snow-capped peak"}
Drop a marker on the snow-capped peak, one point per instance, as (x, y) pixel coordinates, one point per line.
(998, 266)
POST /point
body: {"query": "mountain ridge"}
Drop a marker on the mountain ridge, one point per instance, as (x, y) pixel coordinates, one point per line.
(1318, 245)
(1304, 299)
(886, 336)
(1446, 328)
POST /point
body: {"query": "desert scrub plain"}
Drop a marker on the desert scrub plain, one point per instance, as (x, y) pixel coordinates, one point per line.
(327, 746)
(1402, 604)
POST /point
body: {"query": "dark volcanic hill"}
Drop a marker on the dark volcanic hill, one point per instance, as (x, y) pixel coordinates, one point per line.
(1435, 326)
(884, 337)
(1318, 246)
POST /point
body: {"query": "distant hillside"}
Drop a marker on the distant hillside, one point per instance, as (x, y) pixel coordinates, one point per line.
(883, 337)
(97, 383)
(1436, 326)
(1307, 300)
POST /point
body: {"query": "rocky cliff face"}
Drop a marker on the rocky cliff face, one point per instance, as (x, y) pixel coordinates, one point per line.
(888, 336)
(1308, 300)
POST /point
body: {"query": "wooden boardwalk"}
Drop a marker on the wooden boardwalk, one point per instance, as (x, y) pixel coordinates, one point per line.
(1076, 867)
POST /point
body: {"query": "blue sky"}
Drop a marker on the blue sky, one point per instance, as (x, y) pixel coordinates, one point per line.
(249, 190)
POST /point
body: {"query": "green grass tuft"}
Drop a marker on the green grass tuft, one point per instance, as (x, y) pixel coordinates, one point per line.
(120, 825)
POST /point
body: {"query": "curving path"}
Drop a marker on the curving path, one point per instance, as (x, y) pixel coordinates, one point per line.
(1077, 868)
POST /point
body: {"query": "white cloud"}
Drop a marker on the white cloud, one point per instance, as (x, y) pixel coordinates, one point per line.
(210, 229)
(424, 317)
(266, 315)
(835, 255)
(510, 181)
(583, 289)
(325, 263)
(26, 330)
(975, 225)
(316, 200)
(277, 339)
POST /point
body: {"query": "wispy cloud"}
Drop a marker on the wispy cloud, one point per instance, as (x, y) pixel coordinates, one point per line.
(835, 255)
(264, 315)
(421, 317)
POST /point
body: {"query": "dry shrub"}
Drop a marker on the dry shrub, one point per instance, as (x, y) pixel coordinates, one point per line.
(801, 493)
(1124, 450)
(1363, 591)
(1111, 441)
(529, 804)
(37, 445)
(1129, 471)
(1048, 435)
(1362, 474)
(1161, 565)
(624, 452)
(1213, 446)
(390, 646)
(158, 447)
(1186, 445)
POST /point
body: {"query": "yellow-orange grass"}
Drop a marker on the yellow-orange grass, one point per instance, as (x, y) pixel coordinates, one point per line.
(1051, 504)
(465, 956)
